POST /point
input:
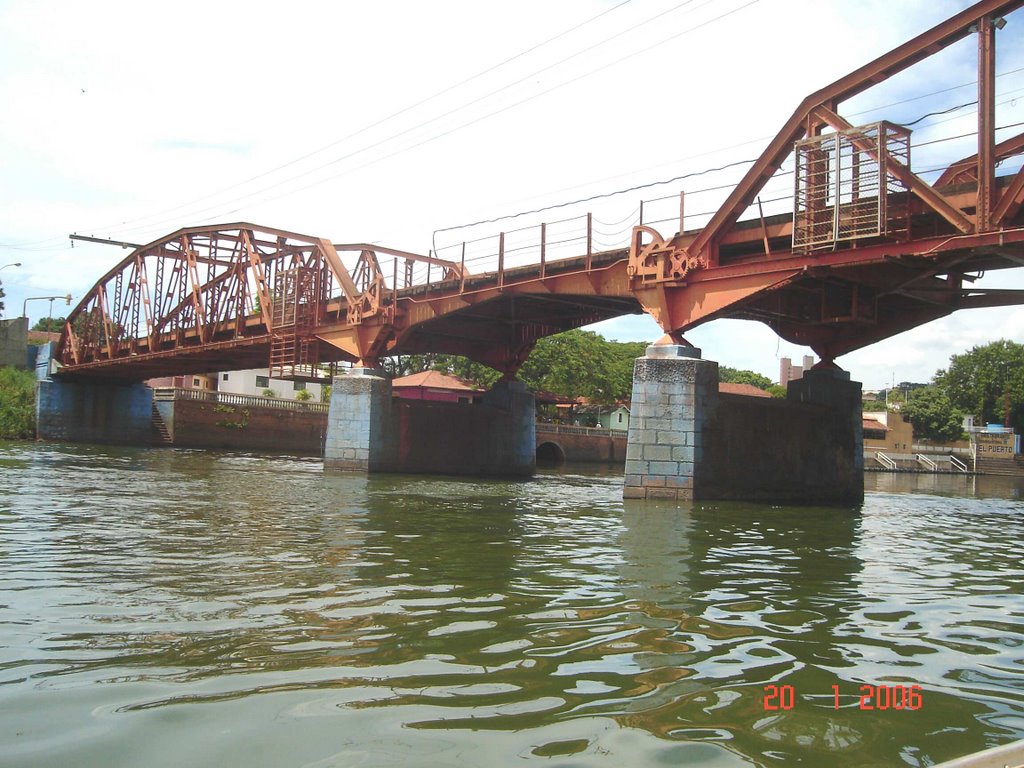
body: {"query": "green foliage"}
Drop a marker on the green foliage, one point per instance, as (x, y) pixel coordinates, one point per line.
(54, 324)
(303, 395)
(17, 404)
(778, 391)
(934, 417)
(325, 393)
(572, 364)
(240, 423)
(269, 393)
(977, 381)
(2, 294)
(733, 376)
(874, 406)
(453, 365)
(582, 364)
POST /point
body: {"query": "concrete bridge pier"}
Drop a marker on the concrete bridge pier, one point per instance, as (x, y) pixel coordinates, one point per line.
(369, 430)
(79, 411)
(688, 441)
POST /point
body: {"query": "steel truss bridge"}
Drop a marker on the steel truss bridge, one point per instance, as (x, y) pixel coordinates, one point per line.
(869, 249)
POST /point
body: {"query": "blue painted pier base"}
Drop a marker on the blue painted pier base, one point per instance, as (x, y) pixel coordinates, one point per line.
(370, 430)
(78, 411)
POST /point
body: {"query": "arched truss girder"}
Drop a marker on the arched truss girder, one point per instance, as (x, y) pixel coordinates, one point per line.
(657, 259)
(213, 285)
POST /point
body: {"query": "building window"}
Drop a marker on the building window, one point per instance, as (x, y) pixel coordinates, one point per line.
(196, 382)
(619, 415)
(224, 377)
(262, 382)
(298, 386)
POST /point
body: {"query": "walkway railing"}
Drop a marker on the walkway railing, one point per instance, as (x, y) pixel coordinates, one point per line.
(884, 460)
(943, 449)
(931, 465)
(958, 465)
(229, 398)
(564, 429)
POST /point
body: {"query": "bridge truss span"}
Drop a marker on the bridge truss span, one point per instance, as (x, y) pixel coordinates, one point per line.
(868, 248)
(231, 296)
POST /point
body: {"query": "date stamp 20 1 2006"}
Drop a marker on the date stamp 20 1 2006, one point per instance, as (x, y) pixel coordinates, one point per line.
(879, 698)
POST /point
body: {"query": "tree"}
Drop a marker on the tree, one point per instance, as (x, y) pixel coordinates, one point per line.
(734, 376)
(572, 364)
(2, 294)
(55, 324)
(934, 417)
(17, 404)
(580, 363)
(978, 381)
(453, 365)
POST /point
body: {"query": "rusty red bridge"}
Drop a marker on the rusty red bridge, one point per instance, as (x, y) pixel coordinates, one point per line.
(868, 248)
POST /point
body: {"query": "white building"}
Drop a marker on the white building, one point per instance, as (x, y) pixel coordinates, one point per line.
(789, 372)
(257, 381)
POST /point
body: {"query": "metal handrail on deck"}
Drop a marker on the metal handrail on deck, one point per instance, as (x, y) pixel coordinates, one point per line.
(884, 460)
(563, 429)
(927, 462)
(230, 398)
(957, 464)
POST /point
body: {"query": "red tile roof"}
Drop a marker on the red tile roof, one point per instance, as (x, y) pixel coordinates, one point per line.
(741, 389)
(434, 380)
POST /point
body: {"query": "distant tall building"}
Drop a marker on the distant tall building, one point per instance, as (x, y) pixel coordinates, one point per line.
(789, 372)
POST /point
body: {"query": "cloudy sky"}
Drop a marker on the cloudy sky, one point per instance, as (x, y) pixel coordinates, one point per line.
(397, 122)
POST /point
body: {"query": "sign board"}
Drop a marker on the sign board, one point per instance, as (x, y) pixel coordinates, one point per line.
(994, 445)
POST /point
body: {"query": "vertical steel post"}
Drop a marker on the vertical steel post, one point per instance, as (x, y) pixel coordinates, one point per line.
(590, 238)
(462, 270)
(682, 210)
(394, 282)
(986, 121)
(543, 249)
(641, 213)
(501, 260)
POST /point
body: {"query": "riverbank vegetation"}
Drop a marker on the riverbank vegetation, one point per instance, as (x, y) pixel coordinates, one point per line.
(17, 404)
(986, 382)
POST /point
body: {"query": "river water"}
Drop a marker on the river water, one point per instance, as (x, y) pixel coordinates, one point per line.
(165, 607)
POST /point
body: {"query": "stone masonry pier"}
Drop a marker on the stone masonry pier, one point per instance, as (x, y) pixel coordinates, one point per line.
(370, 431)
(687, 441)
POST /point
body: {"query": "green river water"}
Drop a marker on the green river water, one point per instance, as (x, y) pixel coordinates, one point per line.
(164, 607)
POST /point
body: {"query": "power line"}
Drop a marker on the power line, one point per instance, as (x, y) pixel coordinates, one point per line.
(404, 110)
(674, 179)
(469, 123)
(599, 196)
(474, 121)
(433, 138)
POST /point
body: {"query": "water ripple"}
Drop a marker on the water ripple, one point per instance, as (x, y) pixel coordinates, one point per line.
(211, 608)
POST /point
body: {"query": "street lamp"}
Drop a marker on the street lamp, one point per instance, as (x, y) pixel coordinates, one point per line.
(12, 264)
(24, 306)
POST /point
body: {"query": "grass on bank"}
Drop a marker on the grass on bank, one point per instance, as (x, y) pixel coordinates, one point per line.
(17, 404)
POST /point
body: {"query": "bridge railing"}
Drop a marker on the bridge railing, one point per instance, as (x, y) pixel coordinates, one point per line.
(230, 398)
(564, 429)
